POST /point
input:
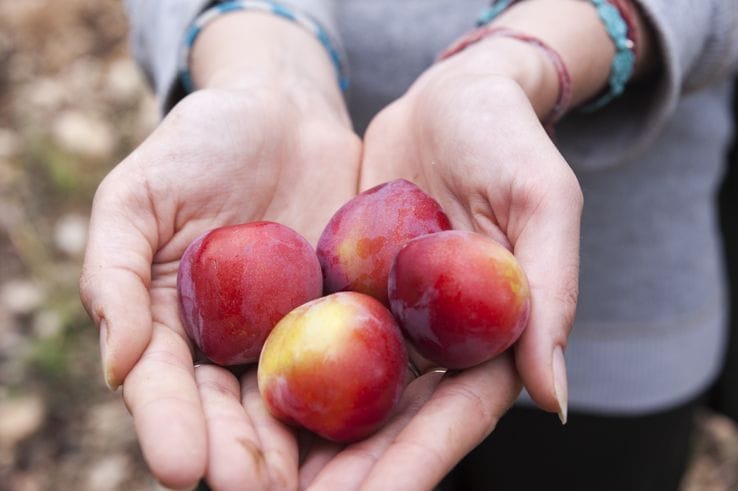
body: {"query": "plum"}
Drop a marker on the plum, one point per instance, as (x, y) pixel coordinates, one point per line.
(336, 366)
(235, 283)
(460, 297)
(361, 240)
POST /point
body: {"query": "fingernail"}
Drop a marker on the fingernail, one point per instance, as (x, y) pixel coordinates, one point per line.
(560, 384)
(107, 373)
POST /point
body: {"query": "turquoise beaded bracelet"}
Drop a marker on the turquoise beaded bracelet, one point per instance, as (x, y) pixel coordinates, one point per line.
(495, 9)
(623, 63)
(268, 6)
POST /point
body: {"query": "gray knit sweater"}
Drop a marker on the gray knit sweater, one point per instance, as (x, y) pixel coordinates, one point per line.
(650, 323)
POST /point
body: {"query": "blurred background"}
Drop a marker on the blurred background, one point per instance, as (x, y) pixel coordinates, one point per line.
(73, 104)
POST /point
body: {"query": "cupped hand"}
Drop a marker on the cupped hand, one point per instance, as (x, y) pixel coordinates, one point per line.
(220, 157)
(475, 143)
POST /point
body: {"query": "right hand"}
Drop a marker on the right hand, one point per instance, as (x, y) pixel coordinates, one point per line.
(220, 157)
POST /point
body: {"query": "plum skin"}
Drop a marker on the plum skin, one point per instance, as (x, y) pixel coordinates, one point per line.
(357, 247)
(460, 297)
(336, 366)
(235, 283)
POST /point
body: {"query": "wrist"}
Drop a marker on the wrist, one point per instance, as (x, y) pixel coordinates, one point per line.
(255, 51)
(504, 58)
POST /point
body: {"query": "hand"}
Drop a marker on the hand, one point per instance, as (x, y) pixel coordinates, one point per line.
(474, 143)
(262, 152)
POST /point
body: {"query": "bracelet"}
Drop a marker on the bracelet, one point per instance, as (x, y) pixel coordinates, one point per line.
(627, 10)
(565, 91)
(268, 6)
(495, 9)
(619, 21)
(623, 62)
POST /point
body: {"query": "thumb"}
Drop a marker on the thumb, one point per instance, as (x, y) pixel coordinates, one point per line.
(116, 273)
(548, 251)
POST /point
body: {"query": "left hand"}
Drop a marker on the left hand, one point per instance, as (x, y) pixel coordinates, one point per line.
(475, 144)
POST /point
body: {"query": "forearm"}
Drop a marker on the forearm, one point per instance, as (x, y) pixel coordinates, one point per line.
(249, 49)
(573, 29)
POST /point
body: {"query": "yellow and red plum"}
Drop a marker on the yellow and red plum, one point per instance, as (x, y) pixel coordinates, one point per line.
(235, 283)
(336, 366)
(361, 240)
(460, 297)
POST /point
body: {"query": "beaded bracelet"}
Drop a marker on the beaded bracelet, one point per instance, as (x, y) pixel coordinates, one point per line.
(627, 10)
(565, 93)
(623, 63)
(495, 9)
(268, 6)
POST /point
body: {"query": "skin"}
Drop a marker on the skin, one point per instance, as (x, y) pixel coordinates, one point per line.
(269, 129)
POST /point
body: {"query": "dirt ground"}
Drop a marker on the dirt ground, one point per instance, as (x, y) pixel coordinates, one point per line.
(72, 104)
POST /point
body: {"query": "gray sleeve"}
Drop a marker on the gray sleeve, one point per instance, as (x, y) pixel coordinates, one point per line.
(157, 30)
(697, 47)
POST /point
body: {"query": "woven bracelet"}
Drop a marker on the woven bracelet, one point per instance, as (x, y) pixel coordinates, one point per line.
(565, 92)
(623, 63)
(627, 10)
(267, 6)
(495, 9)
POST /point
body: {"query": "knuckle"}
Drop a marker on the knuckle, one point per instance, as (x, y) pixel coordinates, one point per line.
(567, 188)
(479, 409)
(156, 361)
(566, 297)
(218, 388)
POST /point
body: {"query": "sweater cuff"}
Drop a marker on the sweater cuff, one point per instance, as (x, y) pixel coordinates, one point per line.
(689, 60)
(158, 32)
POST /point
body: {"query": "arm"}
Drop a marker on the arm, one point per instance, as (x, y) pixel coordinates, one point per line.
(468, 132)
(573, 29)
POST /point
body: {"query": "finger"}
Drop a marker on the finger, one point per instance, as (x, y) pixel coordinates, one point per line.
(161, 394)
(462, 411)
(235, 458)
(349, 467)
(384, 148)
(320, 453)
(116, 274)
(278, 441)
(548, 250)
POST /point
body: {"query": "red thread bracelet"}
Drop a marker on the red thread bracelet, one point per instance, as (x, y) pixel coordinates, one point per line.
(565, 91)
